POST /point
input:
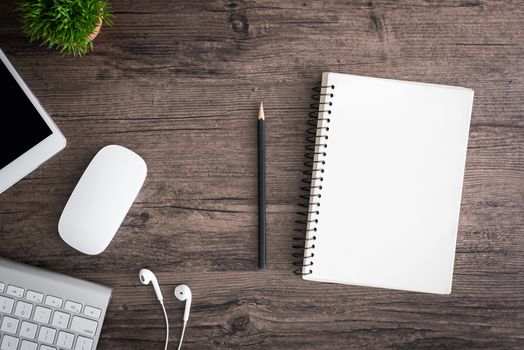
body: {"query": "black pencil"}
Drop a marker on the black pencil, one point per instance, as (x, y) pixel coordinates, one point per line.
(261, 189)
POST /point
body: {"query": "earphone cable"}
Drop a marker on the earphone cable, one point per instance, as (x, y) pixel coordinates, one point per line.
(167, 324)
(182, 336)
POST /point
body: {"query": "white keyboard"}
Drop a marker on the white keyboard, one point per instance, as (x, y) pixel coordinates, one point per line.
(42, 310)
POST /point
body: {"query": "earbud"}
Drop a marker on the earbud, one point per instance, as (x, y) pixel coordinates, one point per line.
(146, 277)
(183, 293)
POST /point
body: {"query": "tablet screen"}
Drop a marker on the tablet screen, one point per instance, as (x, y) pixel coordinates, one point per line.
(21, 126)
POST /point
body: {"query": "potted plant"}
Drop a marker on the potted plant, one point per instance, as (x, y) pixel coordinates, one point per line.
(68, 25)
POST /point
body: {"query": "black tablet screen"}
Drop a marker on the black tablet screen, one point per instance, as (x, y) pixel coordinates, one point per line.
(21, 126)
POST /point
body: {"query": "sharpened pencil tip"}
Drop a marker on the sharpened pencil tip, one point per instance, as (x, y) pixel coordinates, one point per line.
(261, 115)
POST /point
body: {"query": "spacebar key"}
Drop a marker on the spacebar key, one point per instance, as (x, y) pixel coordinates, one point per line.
(84, 326)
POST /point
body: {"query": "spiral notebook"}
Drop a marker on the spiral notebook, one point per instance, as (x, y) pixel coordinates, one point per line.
(385, 166)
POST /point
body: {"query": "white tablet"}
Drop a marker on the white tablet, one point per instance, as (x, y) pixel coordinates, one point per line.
(28, 135)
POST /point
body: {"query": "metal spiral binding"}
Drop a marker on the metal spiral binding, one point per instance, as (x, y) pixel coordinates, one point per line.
(316, 139)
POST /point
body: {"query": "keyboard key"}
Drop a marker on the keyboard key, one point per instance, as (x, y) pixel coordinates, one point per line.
(28, 330)
(6, 305)
(53, 301)
(34, 296)
(2, 286)
(60, 319)
(28, 345)
(92, 311)
(72, 306)
(9, 325)
(65, 340)
(23, 309)
(46, 335)
(15, 291)
(45, 347)
(9, 343)
(84, 343)
(42, 314)
(83, 326)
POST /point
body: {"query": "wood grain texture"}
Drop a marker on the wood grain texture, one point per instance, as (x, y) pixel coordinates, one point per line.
(179, 82)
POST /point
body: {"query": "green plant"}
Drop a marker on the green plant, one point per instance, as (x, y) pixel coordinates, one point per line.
(64, 24)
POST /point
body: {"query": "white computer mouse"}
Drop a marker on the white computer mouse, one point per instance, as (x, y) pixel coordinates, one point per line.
(101, 199)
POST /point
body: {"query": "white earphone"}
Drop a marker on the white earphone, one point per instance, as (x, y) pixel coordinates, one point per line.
(146, 277)
(182, 293)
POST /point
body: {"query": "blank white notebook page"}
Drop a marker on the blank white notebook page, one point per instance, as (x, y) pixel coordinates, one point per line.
(392, 183)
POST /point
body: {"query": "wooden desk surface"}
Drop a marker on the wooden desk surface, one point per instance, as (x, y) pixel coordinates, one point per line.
(180, 83)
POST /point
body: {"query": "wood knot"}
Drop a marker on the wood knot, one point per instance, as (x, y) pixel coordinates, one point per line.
(239, 23)
(137, 220)
(231, 5)
(376, 22)
(472, 3)
(240, 324)
(145, 216)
